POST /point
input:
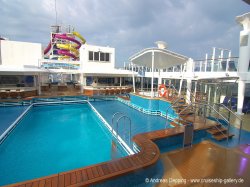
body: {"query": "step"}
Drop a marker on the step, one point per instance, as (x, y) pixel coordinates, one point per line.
(186, 113)
(220, 137)
(215, 131)
(174, 124)
(184, 122)
(180, 101)
(180, 105)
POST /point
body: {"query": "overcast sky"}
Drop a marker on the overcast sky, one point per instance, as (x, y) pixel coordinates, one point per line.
(190, 27)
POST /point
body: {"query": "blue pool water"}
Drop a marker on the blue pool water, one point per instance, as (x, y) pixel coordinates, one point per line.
(52, 139)
(8, 115)
(140, 122)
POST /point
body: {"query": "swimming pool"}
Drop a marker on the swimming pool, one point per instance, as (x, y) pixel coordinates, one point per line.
(8, 114)
(53, 139)
(140, 122)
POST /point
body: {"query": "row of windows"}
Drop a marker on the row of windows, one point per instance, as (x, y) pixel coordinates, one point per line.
(99, 56)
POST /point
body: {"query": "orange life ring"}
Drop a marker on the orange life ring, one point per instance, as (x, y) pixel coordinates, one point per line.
(162, 90)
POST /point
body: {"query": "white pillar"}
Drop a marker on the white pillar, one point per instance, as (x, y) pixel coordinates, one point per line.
(209, 93)
(181, 81)
(152, 78)
(244, 57)
(215, 93)
(82, 81)
(39, 83)
(195, 88)
(189, 87)
(206, 62)
(213, 57)
(120, 81)
(159, 80)
(241, 95)
(133, 75)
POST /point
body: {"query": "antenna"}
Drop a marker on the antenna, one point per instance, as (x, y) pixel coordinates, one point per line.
(56, 12)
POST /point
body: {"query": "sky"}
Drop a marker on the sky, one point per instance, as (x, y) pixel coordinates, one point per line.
(189, 27)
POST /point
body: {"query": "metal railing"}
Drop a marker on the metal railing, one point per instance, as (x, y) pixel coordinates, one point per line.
(117, 126)
(230, 112)
(113, 118)
(180, 97)
(205, 105)
(119, 116)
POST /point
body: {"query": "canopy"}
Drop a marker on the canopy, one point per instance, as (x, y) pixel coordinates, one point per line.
(157, 58)
(162, 58)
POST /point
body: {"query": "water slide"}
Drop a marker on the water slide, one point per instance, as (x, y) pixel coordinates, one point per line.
(47, 49)
(66, 49)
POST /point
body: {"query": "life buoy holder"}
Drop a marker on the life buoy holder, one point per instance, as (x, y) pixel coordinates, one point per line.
(162, 90)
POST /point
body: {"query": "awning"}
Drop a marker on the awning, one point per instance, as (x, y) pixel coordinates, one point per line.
(163, 58)
(157, 58)
(21, 70)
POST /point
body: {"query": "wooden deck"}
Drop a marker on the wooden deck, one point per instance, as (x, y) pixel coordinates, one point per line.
(97, 173)
(206, 161)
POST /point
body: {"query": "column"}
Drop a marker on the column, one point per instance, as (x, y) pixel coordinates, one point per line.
(159, 80)
(195, 89)
(39, 83)
(244, 58)
(189, 87)
(152, 78)
(241, 95)
(120, 81)
(209, 93)
(82, 81)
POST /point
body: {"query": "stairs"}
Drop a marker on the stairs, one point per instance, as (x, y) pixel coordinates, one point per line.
(188, 114)
(219, 133)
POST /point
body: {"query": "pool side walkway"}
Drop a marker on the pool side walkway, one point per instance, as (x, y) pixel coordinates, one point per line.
(148, 155)
(207, 164)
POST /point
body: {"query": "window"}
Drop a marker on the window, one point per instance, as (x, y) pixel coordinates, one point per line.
(107, 57)
(99, 56)
(90, 55)
(96, 56)
(102, 56)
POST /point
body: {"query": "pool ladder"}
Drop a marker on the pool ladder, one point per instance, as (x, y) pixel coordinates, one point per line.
(119, 116)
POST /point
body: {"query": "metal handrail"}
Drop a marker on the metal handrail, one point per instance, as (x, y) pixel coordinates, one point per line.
(229, 110)
(171, 85)
(180, 96)
(113, 117)
(206, 104)
(220, 105)
(117, 124)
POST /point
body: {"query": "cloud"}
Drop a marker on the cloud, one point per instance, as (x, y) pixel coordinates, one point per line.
(190, 27)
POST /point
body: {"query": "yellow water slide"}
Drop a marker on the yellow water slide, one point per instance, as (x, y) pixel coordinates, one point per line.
(69, 47)
(73, 47)
(77, 34)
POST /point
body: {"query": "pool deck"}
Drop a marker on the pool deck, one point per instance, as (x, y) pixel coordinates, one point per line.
(206, 161)
(148, 155)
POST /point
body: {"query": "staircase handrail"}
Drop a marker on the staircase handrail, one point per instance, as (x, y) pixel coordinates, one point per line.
(210, 106)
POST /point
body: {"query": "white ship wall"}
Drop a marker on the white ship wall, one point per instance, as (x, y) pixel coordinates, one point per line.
(14, 53)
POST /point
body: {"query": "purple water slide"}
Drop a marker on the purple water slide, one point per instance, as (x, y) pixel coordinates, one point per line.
(65, 37)
(66, 52)
(47, 49)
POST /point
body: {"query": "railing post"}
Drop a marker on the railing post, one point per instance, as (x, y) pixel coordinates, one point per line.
(240, 131)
